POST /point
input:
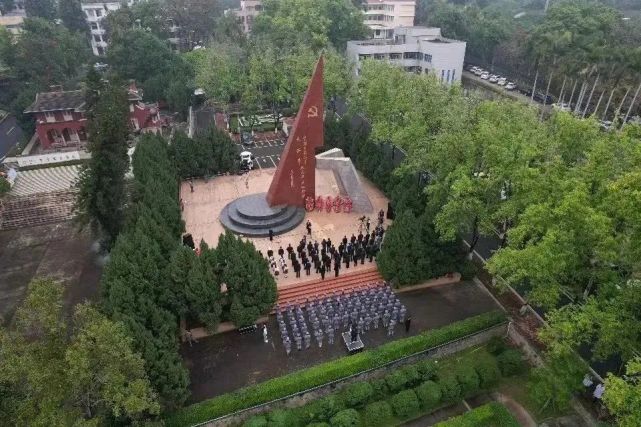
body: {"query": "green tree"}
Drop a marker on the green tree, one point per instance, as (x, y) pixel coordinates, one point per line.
(72, 15)
(208, 153)
(102, 182)
(250, 285)
(59, 375)
(7, 6)
(623, 396)
(45, 9)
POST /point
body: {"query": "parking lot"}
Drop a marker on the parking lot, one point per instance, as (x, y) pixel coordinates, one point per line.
(266, 150)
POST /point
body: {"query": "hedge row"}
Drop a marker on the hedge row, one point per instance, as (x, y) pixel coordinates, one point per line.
(330, 371)
(403, 394)
(489, 415)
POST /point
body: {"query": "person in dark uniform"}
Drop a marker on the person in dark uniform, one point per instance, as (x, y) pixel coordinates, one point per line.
(271, 235)
(366, 239)
(347, 259)
(290, 249)
(329, 242)
(297, 268)
(270, 253)
(316, 245)
(359, 237)
(337, 267)
(408, 321)
(344, 240)
(324, 243)
(308, 267)
(281, 251)
(309, 227)
(362, 254)
(370, 252)
(367, 224)
(322, 271)
(352, 239)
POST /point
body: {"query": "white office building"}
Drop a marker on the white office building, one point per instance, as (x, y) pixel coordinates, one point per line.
(416, 49)
(383, 16)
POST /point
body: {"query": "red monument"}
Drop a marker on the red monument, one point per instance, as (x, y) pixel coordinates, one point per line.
(294, 179)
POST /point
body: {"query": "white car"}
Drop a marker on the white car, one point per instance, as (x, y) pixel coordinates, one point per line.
(485, 75)
(605, 124)
(510, 86)
(493, 79)
(502, 81)
(478, 71)
(562, 106)
(246, 159)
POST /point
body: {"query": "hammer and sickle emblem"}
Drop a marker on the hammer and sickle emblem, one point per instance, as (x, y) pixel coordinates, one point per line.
(312, 111)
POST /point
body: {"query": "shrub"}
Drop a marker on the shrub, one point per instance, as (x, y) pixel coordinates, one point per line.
(450, 388)
(496, 345)
(413, 376)
(257, 421)
(378, 414)
(4, 186)
(322, 409)
(488, 371)
(405, 403)
(318, 425)
(329, 371)
(358, 394)
(429, 393)
(396, 381)
(428, 369)
(346, 418)
(489, 415)
(467, 378)
(380, 388)
(281, 418)
(510, 362)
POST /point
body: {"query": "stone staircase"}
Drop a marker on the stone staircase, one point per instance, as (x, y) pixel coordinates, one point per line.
(300, 292)
(36, 209)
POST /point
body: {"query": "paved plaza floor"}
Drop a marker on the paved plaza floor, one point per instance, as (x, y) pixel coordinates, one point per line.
(202, 211)
(226, 362)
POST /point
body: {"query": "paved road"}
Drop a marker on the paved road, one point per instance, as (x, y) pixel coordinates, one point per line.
(10, 135)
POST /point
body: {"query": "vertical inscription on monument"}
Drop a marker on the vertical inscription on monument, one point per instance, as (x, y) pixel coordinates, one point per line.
(295, 175)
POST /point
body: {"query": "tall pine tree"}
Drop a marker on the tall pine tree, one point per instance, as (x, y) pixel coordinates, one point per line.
(101, 198)
(72, 16)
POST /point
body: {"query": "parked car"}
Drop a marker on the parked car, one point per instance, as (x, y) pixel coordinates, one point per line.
(493, 78)
(247, 138)
(502, 81)
(485, 75)
(606, 125)
(478, 71)
(510, 86)
(543, 99)
(563, 106)
(246, 161)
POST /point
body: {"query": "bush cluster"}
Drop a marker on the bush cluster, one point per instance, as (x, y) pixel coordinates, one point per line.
(399, 396)
(510, 362)
(489, 415)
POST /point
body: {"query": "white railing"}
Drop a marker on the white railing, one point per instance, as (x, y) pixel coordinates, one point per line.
(48, 158)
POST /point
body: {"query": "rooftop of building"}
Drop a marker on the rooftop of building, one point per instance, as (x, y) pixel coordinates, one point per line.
(11, 20)
(411, 35)
(57, 101)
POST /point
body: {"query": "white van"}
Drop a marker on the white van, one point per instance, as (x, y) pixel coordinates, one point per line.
(247, 160)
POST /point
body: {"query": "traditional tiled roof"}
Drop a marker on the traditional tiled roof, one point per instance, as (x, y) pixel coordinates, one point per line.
(45, 180)
(57, 101)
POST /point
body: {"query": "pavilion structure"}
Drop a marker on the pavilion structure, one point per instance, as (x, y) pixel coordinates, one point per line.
(282, 208)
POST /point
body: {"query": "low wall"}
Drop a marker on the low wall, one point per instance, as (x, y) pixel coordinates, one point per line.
(48, 158)
(304, 397)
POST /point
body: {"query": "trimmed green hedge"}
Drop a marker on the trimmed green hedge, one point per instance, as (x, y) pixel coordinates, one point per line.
(490, 415)
(330, 371)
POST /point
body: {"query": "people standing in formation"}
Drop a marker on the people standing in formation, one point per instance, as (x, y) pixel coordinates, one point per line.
(357, 311)
(323, 257)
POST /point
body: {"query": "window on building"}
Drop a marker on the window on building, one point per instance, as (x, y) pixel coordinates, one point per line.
(89, 13)
(97, 38)
(395, 56)
(379, 56)
(426, 70)
(100, 50)
(427, 57)
(448, 76)
(411, 55)
(67, 116)
(453, 74)
(259, 7)
(98, 13)
(363, 56)
(94, 26)
(442, 75)
(50, 117)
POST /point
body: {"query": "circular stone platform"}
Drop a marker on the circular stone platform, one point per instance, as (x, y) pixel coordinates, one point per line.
(252, 216)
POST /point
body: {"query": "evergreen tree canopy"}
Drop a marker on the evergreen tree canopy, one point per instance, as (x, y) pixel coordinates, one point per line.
(209, 153)
(72, 15)
(45, 9)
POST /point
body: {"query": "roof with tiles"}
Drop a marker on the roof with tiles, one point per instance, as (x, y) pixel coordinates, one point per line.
(45, 180)
(57, 101)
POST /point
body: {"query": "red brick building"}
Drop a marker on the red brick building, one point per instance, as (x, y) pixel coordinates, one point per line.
(61, 122)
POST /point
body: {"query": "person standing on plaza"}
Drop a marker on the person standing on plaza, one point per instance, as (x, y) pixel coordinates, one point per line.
(408, 321)
(322, 271)
(191, 184)
(271, 235)
(309, 227)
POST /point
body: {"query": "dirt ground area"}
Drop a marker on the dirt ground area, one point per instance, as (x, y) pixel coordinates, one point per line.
(202, 210)
(228, 361)
(55, 250)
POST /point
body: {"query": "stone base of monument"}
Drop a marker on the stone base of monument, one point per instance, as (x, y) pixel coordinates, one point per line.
(252, 216)
(352, 346)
